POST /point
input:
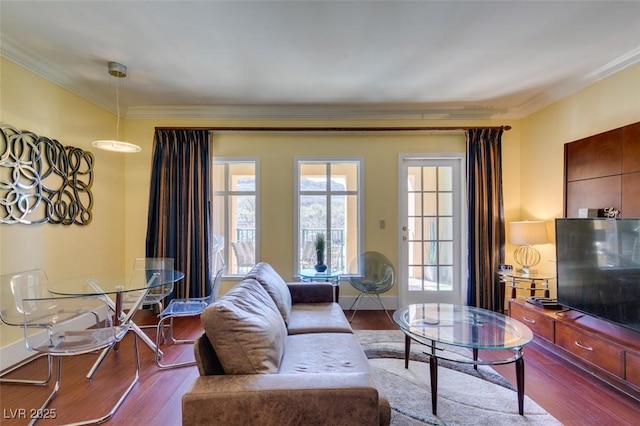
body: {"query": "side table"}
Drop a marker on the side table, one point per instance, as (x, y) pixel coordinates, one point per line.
(518, 280)
(332, 277)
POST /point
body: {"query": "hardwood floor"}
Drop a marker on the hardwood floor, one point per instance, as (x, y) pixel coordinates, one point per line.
(570, 395)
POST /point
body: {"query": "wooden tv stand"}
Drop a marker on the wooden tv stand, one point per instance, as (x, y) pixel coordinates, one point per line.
(606, 350)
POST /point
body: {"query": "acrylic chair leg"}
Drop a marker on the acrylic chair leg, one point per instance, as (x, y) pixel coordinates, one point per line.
(98, 362)
(356, 303)
(158, 356)
(42, 382)
(383, 308)
(122, 397)
(53, 393)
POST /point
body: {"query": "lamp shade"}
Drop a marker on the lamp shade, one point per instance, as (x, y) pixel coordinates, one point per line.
(528, 233)
(116, 146)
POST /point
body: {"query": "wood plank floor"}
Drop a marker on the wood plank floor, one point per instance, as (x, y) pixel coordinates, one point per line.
(570, 395)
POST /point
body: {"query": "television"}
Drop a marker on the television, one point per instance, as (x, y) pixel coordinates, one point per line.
(598, 268)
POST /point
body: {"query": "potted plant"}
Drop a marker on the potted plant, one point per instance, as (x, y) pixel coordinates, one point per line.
(320, 244)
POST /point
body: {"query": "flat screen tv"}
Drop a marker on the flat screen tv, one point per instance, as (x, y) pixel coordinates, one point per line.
(598, 268)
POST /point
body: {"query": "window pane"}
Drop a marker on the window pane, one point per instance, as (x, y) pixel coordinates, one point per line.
(218, 216)
(333, 209)
(346, 175)
(244, 178)
(235, 212)
(313, 177)
(313, 213)
(218, 177)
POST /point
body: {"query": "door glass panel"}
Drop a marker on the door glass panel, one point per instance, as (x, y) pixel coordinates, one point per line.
(429, 182)
(415, 204)
(430, 205)
(446, 228)
(445, 205)
(433, 221)
(414, 179)
(445, 179)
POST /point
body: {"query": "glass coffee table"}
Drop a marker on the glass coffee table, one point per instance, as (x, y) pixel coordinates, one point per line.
(477, 329)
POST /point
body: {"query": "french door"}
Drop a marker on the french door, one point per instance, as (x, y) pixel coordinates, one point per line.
(432, 261)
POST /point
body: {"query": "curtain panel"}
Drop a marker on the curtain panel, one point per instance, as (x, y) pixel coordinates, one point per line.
(486, 218)
(178, 224)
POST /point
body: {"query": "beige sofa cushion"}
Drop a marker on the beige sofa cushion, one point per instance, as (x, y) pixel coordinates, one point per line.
(320, 353)
(275, 286)
(318, 318)
(246, 330)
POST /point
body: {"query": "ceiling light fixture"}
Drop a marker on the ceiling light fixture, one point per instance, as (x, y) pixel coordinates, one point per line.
(119, 71)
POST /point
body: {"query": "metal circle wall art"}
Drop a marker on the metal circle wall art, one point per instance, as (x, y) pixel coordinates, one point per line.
(42, 181)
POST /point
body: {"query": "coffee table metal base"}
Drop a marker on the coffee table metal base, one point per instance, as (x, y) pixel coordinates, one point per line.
(433, 370)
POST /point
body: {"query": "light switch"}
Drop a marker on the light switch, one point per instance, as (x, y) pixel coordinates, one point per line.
(383, 224)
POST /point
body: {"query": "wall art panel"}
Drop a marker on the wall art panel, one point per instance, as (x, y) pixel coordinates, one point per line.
(42, 181)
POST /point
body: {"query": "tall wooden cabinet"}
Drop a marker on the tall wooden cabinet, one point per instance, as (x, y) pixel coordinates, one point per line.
(600, 171)
(603, 170)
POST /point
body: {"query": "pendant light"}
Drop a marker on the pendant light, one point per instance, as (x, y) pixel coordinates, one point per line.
(118, 71)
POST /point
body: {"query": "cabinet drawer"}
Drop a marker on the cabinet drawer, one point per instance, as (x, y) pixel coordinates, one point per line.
(540, 324)
(632, 368)
(589, 348)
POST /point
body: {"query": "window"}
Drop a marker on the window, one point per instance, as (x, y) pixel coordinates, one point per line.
(235, 211)
(328, 201)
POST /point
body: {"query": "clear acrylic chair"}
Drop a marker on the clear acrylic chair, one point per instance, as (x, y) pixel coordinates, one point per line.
(374, 275)
(189, 307)
(13, 289)
(91, 330)
(156, 295)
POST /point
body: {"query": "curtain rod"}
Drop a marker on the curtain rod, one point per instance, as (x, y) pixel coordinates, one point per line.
(336, 129)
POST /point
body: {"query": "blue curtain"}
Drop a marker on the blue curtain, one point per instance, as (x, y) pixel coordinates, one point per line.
(178, 224)
(486, 233)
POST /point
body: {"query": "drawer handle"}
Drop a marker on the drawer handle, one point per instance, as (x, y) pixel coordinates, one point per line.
(529, 320)
(585, 347)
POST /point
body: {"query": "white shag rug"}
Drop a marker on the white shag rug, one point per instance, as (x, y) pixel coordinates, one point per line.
(465, 396)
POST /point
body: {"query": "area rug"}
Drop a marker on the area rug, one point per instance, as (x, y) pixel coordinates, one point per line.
(465, 396)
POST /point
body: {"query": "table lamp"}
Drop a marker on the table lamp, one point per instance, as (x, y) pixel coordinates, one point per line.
(525, 234)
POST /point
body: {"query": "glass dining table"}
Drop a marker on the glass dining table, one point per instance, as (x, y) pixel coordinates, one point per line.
(114, 285)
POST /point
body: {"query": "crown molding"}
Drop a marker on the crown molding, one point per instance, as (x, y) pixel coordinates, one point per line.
(28, 60)
(13, 52)
(568, 87)
(329, 111)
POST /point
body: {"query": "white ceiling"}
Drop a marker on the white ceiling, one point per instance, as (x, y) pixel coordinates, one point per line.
(317, 59)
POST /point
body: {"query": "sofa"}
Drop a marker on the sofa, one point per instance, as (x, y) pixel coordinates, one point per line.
(274, 353)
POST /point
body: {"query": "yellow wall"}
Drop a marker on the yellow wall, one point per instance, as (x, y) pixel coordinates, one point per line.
(276, 153)
(609, 104)
(532, 168)
(32, 103)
